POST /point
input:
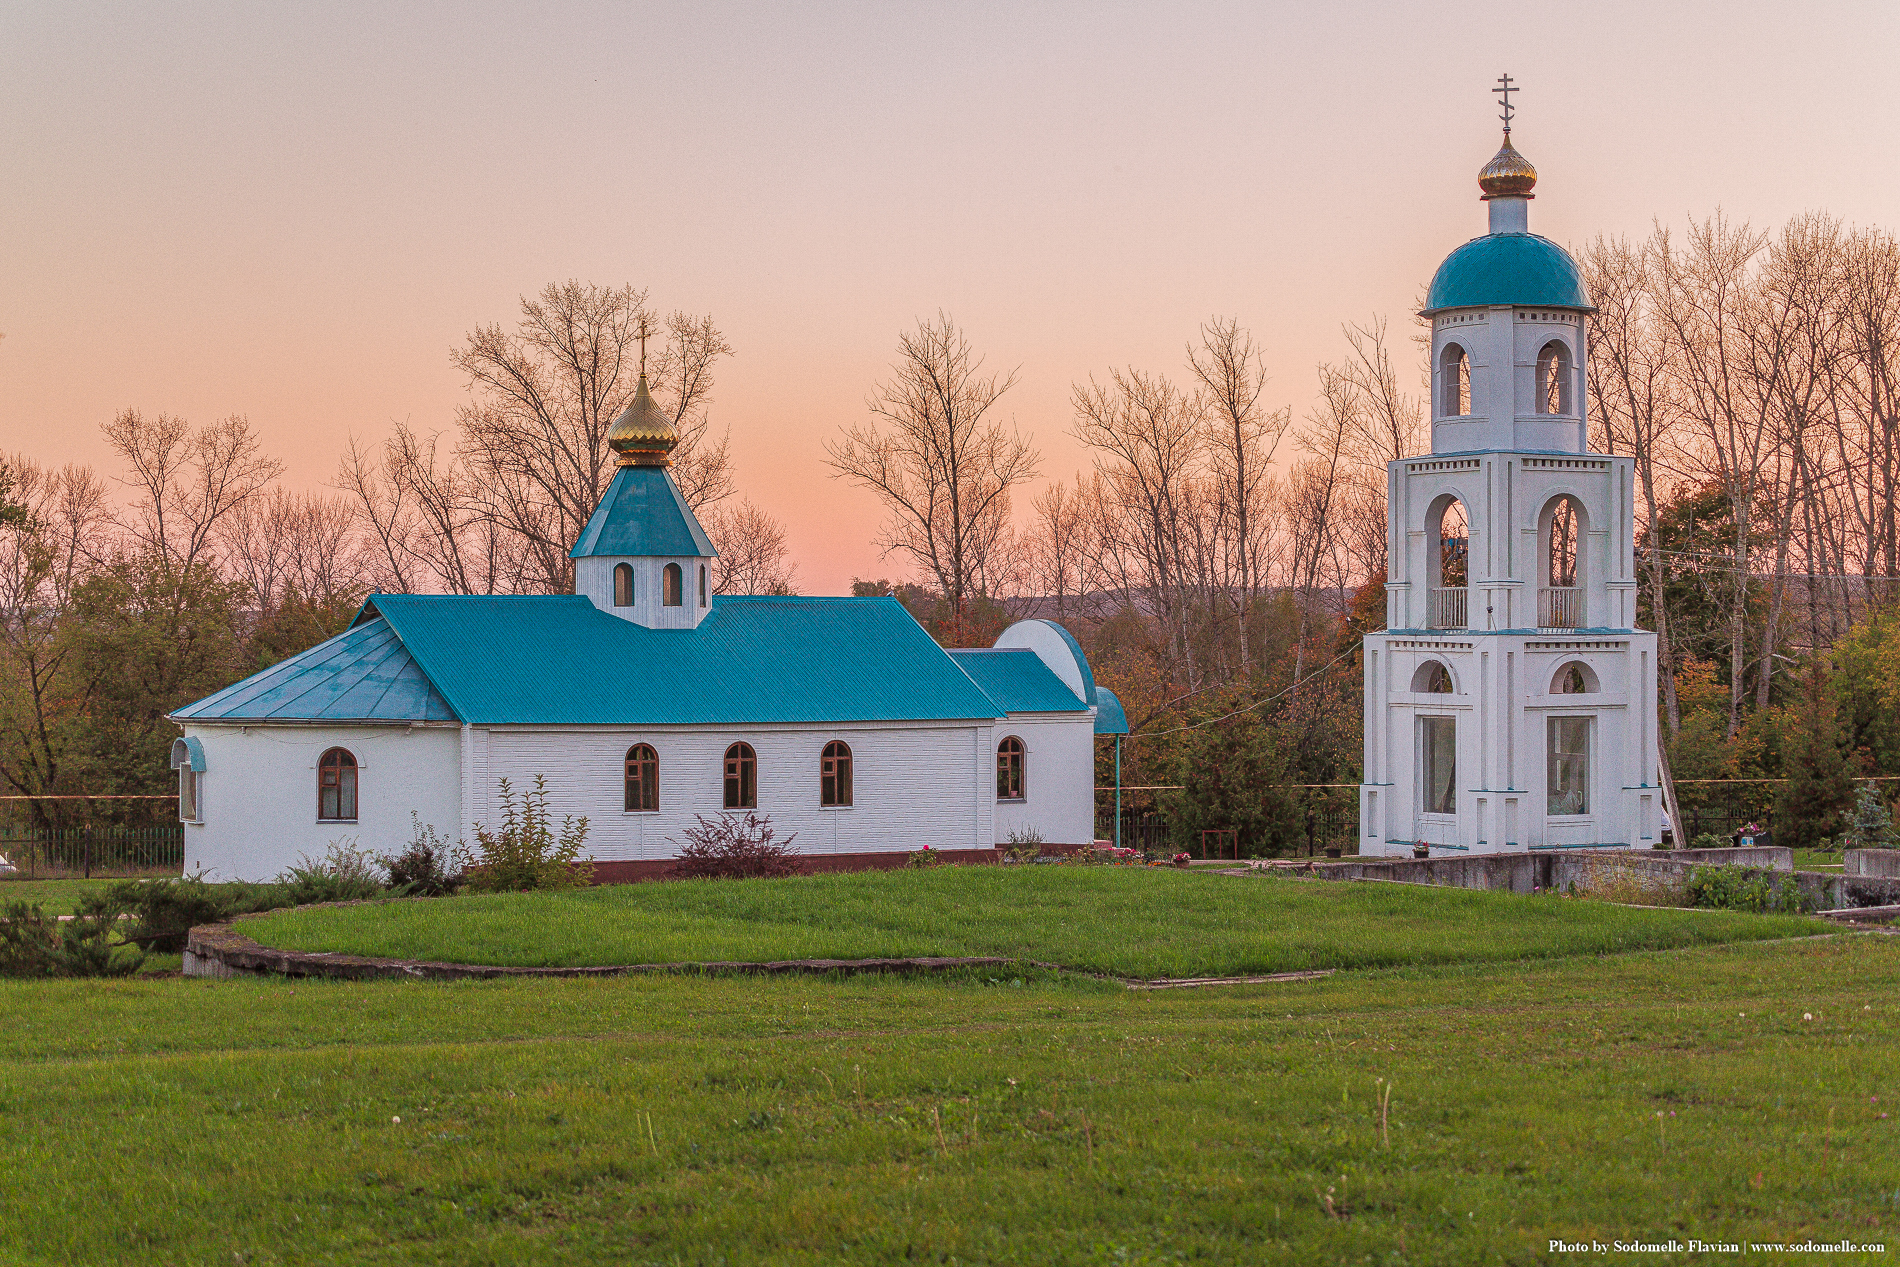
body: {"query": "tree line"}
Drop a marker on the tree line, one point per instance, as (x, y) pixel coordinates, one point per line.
(126, 596)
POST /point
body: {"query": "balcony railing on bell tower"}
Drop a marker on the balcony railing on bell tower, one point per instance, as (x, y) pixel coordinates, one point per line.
(1560, 607)
(1447, 609)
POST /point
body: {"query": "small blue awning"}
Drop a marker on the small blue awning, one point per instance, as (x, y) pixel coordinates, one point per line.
(188, 752)
(1109, 717)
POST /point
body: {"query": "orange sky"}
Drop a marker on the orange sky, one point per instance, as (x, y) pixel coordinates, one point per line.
(293, 212)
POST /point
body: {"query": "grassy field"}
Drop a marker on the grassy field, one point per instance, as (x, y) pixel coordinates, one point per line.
(1137, 922)
(55, 897)
(685, 1120)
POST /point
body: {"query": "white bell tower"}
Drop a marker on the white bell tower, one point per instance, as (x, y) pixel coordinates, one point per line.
(1511, 701)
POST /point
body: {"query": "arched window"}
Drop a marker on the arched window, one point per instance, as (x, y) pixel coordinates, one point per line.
(1432, 678)
(1454, 382)
(623, 585)
(702, 585)
(834, 774)
(1009, 770)
(1560, 595)
(643, 779)
(1574, 678)
(188, 758)
(1553, 379)
(336, 786)
(1447, 564)
(670, 591)
(742, 777)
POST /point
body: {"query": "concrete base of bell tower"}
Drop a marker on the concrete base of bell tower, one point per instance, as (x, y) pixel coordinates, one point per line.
(1481, 742)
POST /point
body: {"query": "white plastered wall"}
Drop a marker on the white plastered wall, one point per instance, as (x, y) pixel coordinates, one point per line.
(913, 784)
(1058, 779)
(259, 793)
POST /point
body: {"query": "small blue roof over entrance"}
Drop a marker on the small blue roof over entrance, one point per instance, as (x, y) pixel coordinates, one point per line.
(1109, 717)
(1507, 268)
(643, 513)
(363, 674)
(1017, 679)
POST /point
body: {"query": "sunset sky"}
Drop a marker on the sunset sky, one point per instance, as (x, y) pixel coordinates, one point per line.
(294, 211)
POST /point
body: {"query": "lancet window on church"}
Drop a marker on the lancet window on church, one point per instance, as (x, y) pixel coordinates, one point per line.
(623, 585)
(643, 779)
(1569, 788)
(1553, 379)
(336, 786)
(742, 777)
(1454, 382)
(834, 775)
(670, 587)
(1438, 759)
(1009, 770)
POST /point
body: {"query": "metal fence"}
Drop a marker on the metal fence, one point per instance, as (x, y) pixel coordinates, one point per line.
(91, 835)
(88, 851)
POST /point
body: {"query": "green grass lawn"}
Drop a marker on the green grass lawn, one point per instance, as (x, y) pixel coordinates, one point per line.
(55, 897)
(682, 1120)
(1140, 922)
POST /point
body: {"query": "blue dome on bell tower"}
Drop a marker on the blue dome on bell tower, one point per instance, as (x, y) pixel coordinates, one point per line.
(1507, 268)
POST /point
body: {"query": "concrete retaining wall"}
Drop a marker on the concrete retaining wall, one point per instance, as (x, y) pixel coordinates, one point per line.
(1589, 869)
(1883, 862)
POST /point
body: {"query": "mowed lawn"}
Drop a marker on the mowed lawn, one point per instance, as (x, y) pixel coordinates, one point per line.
(1025, 1120)
(1136, 922)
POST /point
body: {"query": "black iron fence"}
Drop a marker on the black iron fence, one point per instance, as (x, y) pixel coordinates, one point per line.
(91, 835)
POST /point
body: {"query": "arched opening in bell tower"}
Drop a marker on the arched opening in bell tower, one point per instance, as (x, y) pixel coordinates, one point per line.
(1553, 379)
(1560, 582)
(1454, 382)
(1448, 537)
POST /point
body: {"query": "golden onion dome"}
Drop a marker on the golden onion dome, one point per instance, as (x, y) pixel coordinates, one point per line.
(1508, 174)
(643, 435)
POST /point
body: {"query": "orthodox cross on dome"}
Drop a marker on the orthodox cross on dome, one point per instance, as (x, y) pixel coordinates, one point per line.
(1504, 91)
(644, 332)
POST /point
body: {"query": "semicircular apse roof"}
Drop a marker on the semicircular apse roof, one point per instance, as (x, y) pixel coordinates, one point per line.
(1507, 268)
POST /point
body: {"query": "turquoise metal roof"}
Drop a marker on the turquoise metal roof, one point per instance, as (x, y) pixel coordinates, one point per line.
(362, 674)
(559, 660)
(642, 513)
(1507, 268)
(1109, 717)
(1017, 679)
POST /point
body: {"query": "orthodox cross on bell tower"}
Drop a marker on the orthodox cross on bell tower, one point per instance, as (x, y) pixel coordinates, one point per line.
(644, 332)
(1504, 91)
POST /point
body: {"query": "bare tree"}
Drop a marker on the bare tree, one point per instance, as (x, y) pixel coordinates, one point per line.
(189, 479)
(752, 554)
(1242, 438)
(942, 466)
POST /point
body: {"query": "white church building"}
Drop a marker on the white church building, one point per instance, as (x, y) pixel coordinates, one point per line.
(1510, 704)
(644, 701)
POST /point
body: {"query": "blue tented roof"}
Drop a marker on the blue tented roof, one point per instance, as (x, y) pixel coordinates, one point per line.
(1507, 268)
(1017, 679)
(642, 513)
(1109, 717)
(559, 660)
(362, 674)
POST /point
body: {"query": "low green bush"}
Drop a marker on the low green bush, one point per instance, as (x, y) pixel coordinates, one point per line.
(91, 944)
(165, 911)
(1738, 888)
(344, 874)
